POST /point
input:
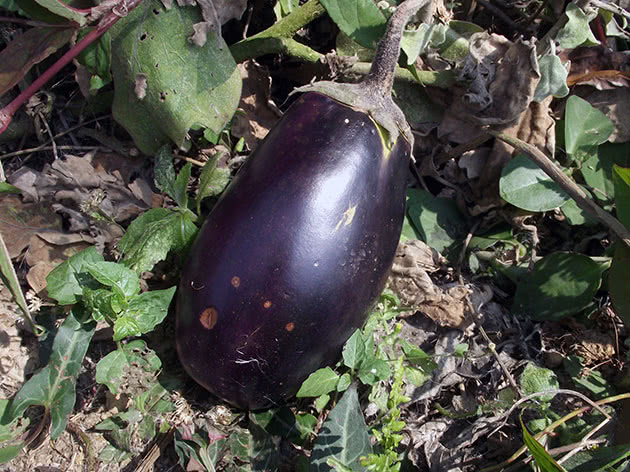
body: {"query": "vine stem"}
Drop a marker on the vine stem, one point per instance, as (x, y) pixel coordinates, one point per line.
(567, 184)
(278, 38)
(116, 13)
(381, 76)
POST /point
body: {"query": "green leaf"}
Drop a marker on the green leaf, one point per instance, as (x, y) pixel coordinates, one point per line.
(212, 181)
(53, 386)
(181, 186)
(321, 402)
(8, 188)
(416, 377)
(126, 326)
(97, 58)
(577, 31)
(372, 370)
(344, 382)
(283, 8)
(598, 169)
(150, 308)
(320, 382)
(526, 186)
(590, 380)
(601, 459)
(111, 369)
(343, 436)
(185, 85)
(619, 281)
(164, 174)
(11, 443)
(553, 78)
(354, 350)
(65, 282)
(155, 233)
(584, 125)
(361, 20)
(541, 456)
(416, 42)
(10, 279)
(124, 281)
(438, 220)
(621, 179)
(577, 216)
(561, 284)
(536, 379)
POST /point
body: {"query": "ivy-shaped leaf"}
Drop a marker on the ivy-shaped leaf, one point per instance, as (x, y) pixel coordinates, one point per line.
(53, 386)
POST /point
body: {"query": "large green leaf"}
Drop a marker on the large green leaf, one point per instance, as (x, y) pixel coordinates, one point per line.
(344, 435)
(577, 31)
(526, 186)
(600, 459)
(584, 125)
(361, 20)
(561, 284)
(318, 383)
(186, 85)
(53, 386)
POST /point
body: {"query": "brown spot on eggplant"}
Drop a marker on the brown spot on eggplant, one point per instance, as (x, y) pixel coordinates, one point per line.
(209, 317)
(236, 281)
(267, 304)
(290, 326)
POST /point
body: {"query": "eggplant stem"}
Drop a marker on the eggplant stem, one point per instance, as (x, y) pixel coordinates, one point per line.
(381, 76)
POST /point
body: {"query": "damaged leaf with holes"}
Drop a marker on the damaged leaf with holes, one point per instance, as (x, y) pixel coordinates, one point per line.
(161, 93)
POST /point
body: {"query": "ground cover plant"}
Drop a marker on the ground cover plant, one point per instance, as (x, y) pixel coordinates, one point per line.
(501, 340)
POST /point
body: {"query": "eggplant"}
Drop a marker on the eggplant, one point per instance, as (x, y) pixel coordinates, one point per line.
(295, 252)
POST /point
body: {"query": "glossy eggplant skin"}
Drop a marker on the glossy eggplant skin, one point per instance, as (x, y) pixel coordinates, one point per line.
(293, 255)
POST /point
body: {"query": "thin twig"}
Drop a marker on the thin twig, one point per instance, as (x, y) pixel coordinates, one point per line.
(568, 185)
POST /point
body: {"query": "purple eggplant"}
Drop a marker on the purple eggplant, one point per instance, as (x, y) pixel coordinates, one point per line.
(293, 255)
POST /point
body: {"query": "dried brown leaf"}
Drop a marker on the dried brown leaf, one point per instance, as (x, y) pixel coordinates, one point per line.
(256, 117)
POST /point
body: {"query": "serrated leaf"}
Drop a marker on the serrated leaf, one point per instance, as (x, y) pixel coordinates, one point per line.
(64, 282)
(536, 379)
(343, 436)
(584, 125)
(561, 284)
(320, 382)
(526, 186)
(354, 350)
(212, 181)
(116, 276)
(28, 49)
(438, 220)
(361, 20)
(619, 281)
(577, 31)
(54, 386)
(111, 368)
(621, 180)
(155, 233)
(185, 85)
(553, 78)
(598, 169)
(540, 455)
(150, 308)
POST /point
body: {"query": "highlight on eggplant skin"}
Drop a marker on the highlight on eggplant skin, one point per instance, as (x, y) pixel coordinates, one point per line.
(291, 258)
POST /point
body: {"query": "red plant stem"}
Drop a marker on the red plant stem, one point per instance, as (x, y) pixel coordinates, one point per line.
(115, 14)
